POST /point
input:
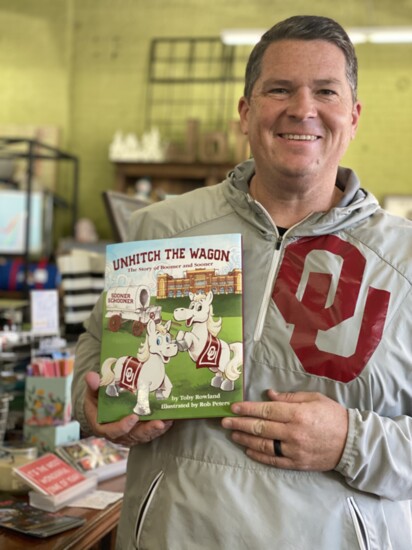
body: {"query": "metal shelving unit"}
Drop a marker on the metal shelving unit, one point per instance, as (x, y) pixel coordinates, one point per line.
(38, 150)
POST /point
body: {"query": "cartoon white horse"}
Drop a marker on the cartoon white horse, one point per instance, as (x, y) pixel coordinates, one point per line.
(145, 373)
(203, 345)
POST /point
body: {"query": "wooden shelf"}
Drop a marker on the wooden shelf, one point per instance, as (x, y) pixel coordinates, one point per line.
(170, 178)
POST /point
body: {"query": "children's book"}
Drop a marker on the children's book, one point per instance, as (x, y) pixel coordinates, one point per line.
(23, 518)
(49, 475)
(172, 341)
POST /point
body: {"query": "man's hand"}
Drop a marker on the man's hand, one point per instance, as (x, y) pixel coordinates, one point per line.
(311, 427)
(128, 431)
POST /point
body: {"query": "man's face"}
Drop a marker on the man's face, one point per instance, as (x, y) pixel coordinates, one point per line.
(301, 116)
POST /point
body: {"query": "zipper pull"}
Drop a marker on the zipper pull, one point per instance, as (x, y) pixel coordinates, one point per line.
(279, 242)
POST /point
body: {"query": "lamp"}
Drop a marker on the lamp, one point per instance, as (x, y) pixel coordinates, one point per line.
(391, 35)
(238, 37)
(358, 35)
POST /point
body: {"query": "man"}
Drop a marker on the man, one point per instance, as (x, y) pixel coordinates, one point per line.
(320, 454)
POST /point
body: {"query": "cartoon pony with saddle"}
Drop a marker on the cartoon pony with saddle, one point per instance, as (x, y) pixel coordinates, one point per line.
(202, 344)
(145, 373)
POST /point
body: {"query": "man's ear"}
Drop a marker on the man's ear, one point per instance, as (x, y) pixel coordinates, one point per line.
(243, 110)
(356, 111)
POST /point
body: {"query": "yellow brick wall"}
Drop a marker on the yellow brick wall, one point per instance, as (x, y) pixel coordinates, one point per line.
(82, 65)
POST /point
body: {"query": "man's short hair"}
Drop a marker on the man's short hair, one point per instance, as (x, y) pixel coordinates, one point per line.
(303, 27)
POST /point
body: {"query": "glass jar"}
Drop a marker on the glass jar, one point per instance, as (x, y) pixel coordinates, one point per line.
(12, 455)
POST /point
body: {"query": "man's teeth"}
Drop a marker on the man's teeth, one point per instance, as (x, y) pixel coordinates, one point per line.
(300, 137)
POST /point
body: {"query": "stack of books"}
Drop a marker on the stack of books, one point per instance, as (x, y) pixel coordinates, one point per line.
(21, 517)
(54, 482)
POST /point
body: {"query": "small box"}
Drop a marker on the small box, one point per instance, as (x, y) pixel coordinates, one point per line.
(47, 400)
(46, 438)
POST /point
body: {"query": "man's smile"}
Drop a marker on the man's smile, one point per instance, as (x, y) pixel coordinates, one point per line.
(299, 137)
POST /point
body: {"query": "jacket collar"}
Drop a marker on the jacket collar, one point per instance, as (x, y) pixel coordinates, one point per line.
(355, 205)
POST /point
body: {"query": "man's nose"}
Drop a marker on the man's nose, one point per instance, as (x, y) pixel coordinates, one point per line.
(302, 105)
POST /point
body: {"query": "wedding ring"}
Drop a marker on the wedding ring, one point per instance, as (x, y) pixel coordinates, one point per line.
(277, 447)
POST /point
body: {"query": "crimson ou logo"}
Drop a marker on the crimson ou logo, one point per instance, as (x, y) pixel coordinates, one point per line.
(314, 302)
(129, 374)
(211, 353)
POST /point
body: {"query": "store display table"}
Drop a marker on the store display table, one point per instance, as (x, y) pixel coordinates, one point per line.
(98, 532)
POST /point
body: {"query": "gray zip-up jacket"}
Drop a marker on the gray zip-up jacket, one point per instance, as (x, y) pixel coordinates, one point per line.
(327, 308)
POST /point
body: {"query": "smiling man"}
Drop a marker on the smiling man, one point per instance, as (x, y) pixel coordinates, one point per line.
(299, 116)
(319, 455)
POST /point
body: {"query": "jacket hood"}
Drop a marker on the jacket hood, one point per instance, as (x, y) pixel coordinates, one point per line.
(355, 205)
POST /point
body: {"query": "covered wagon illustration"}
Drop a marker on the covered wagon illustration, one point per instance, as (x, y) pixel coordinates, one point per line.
(130, 303)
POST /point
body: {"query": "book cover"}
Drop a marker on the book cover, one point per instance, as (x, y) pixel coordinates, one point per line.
(23, 518)
(49, 475)
(172, 341)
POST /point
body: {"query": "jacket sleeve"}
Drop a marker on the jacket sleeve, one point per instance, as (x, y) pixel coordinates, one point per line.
(378, 452)
(378, 455)
(87, 358)
(87, 354)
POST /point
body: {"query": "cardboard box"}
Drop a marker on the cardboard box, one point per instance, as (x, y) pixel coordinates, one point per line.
(47, 400)
(46, 438)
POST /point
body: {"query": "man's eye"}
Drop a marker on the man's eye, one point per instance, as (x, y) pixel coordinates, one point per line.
(327, 92)
(278, 91)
